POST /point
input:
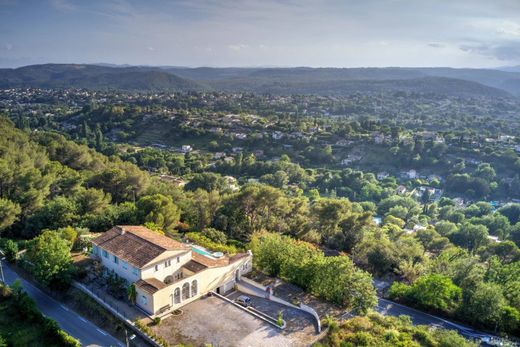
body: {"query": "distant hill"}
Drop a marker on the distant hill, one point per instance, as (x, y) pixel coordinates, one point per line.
(94, 77)
(299, 80)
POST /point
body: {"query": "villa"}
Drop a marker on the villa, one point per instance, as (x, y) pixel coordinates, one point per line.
(167, 274)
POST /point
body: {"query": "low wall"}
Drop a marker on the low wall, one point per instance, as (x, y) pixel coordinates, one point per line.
(128, 322)
(260, 290)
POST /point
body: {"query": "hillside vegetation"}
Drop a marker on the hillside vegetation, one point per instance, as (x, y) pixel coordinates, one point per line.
(320, 81)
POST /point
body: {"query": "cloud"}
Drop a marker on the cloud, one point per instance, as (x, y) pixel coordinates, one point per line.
(237, 47)
(436, 44)
(505, 52)
(63, 5)
(8, 46)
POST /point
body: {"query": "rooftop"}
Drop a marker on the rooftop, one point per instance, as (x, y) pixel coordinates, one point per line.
(137, 245)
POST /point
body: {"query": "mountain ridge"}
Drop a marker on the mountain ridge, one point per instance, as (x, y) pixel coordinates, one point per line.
(297, 80)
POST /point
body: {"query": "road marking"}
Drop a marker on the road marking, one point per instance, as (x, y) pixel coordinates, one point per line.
(65, 308)
(102, 332)
(82, 319)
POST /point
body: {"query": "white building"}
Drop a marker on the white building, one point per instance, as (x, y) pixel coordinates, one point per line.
(167, 274)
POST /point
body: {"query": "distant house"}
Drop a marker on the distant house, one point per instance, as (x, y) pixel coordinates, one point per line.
(178, 181)
(277, 135)
(167, 274)
(382, 175)
(400, 190)
(186, 148)
(459, 202)
(378, 138)
(411, 174)
(493, 238)
(240, 136)
(218, 155)
(232, 183)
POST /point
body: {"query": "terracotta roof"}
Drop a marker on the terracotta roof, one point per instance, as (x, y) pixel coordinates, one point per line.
(150, 285)
(194, 266)
(136, 244)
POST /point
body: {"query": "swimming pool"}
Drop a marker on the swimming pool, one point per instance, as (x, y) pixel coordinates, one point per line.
(206, 253)
(202, 251)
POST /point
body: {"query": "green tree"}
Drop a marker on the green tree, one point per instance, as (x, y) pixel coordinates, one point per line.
(159, 209)
(9, 213)
(470, 236)
(485, 305)
(11, 251)
(430, 292)
(51, 259)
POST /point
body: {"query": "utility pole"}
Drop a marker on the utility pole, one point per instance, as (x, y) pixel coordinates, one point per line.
(128, 339)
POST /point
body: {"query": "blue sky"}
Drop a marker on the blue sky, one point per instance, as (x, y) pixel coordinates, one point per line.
(339, 33)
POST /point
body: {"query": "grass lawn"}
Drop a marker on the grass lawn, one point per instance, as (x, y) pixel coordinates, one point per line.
(20, 332)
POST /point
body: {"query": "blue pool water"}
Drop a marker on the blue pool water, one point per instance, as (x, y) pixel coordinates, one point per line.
(201, 251)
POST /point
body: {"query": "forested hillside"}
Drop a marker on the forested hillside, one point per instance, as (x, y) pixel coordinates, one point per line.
(450, 267)
(283, 81)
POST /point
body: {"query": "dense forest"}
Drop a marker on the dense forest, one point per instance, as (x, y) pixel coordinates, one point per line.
(429, 211)
(450, 267)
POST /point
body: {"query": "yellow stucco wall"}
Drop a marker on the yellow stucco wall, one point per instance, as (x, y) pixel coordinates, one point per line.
(207, 280)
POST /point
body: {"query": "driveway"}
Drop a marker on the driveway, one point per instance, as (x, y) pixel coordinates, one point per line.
(80, 328)
(211, 320)
(300, 327)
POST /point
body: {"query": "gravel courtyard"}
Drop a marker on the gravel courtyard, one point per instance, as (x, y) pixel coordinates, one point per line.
(213, 320)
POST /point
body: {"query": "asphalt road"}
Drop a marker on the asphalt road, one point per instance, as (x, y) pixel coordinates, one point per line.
(75, 325)
(387, 307)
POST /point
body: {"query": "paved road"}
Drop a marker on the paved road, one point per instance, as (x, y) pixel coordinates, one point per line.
(387, 307)
(80, 328)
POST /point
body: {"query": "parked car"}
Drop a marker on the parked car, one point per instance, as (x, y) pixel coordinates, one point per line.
(243, 300)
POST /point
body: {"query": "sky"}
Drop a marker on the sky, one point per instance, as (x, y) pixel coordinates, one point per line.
(326, 33)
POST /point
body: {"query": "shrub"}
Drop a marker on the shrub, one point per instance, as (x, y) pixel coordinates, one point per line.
(201, 240)
(279, 320)
(215, 235)
(335, 279)
(11, 250)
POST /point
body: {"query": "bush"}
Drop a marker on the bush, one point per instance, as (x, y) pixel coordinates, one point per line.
(433, 292)
(11, 250)
(215, 235)
(335, 279)
(201, 240)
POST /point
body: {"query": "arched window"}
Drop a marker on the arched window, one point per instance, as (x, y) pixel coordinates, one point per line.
(185, 291)
(168, 279)
(177, 296)
(194, 288)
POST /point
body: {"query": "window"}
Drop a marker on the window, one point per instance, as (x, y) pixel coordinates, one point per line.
(157, 267)
(194, 288)
(144, 301)
(105, 254)
(185, 291)
(178, 275)
(178, 259)
(167, 263)
(116, 260)
(124, 264)
(177, 296)
(94, 250)
(135, 271)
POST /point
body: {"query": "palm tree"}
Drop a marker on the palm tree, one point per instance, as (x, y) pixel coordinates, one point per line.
(132, 293)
